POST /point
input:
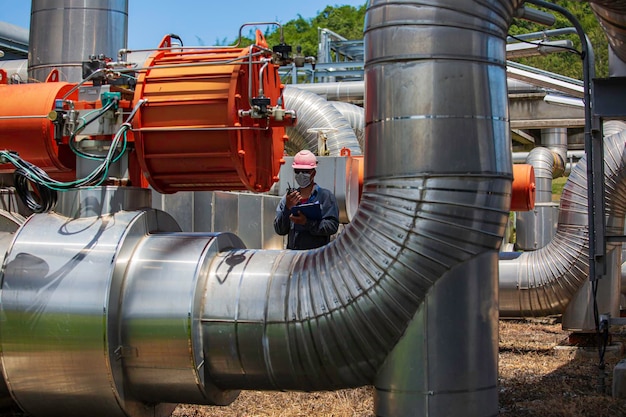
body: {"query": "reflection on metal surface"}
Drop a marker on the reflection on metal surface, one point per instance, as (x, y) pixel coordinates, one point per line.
(60, 292)
(64, 35)
(315, 112)
(543, 282)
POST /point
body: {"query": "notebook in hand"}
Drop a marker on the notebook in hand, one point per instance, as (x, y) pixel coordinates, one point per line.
(312, 211)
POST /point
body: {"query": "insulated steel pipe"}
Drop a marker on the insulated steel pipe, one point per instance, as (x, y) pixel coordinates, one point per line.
(419, 55)
(63, 34)
(355, 115)
(176, 323)
(317, 114)
(543, 282)
(106, 322)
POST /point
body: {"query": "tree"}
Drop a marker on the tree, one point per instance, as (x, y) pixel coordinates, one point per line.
(568, 63)
(348, 22)
(344, 20)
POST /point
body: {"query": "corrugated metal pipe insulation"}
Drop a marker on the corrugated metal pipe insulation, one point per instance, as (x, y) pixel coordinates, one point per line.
(108, 331)
(542, 283)
(316, 114)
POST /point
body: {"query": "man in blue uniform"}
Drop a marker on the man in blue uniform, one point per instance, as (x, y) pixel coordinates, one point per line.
(306, 232)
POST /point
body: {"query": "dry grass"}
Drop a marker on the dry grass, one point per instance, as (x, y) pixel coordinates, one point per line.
(343, 403)
(538, 381)
(535, 379)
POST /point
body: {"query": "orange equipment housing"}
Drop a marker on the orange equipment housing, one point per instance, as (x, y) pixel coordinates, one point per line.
(189, 135)
(211, 119)
(523, 193)
(25, 128)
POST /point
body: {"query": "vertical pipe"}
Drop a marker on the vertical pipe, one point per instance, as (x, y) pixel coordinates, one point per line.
(64, 33)
(419, 55)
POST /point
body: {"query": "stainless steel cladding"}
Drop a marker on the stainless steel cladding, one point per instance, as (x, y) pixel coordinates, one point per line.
(543, 282)
(110, 315)
(536, 228)
(65, 33)
(60, 311)
(315, 113)
(355, 115)
(438, 146)
(611, 15)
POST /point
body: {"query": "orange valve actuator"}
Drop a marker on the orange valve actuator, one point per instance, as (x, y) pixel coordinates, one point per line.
(26, 128)
(195, 133)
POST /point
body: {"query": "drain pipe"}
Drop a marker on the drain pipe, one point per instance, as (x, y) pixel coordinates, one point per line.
(314, 112)
(543, 282)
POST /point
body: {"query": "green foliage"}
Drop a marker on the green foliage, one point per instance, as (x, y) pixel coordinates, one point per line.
(348, 22)
(568, 63)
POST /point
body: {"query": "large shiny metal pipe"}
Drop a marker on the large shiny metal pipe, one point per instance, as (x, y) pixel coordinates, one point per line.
(535, 228)
(611, 15)
(419, 55)
(60, 292)
(64, 33)
(101, 315)
(434, 208)
(543, 282)
(348, 91)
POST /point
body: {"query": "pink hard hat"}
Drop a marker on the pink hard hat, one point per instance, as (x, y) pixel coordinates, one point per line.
(304, 160)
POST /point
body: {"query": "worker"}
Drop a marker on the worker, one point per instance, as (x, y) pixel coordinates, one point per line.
(309, 199)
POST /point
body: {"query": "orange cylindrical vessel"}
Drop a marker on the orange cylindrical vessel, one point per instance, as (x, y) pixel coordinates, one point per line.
(24, 127)
(523, 194)
(189, 134)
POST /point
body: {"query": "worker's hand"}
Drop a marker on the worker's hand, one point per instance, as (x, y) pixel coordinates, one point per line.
(298, 219)
(292, 199)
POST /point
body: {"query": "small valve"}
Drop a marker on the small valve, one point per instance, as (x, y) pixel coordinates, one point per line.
(300, 59)
(282, 54)
(261, 104)
(58, 117)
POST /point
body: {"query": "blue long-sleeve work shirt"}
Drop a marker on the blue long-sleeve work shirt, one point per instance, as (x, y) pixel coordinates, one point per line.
(314, 233)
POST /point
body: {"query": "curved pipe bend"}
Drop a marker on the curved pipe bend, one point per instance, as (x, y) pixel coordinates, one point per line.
(328, 318)
(314, 112)
(542, 282)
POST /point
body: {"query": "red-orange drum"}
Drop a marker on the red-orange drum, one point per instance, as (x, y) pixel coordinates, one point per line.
(189, 135)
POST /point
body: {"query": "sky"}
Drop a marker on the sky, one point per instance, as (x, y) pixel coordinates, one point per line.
(197, 22)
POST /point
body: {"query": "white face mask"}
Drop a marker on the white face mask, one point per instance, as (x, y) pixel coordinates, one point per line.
(303, 179)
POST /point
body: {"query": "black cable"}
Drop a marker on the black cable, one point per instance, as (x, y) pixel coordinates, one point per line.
(43, 199)
(567, 48)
